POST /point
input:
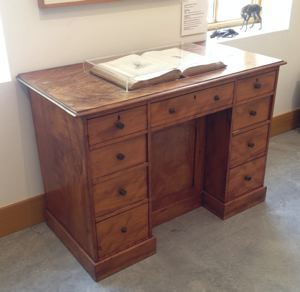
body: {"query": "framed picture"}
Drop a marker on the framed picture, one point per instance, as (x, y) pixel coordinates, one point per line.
(58, 3)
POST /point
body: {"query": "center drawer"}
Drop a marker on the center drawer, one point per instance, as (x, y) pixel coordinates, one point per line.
(123, 230)
(120, 191)
(118, 156)
(214, 98)
(190, 104)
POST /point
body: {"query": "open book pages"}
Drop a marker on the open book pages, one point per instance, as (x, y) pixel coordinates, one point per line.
(136, 71)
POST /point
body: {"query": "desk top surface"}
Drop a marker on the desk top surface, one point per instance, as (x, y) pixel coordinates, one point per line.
(80, 93)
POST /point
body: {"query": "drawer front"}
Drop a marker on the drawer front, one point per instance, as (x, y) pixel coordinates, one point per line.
(121, 231)
(246, 177)
(172, 109)
(213, 98)
(255, 86)
(118, 156)
(247, 145)
(117, 125)
(251, 113)
(127, 188)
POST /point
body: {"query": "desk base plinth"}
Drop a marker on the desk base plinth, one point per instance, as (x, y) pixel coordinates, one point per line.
(226, 210)
(108, 266)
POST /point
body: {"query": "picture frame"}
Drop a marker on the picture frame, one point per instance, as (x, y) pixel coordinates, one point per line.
(62, 3)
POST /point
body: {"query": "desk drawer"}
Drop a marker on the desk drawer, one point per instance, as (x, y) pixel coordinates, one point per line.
(121, 231)
(117, 125)
(247, 145)
(256, 86)
(172, 109)
(252, 112)
(213, 98)
(190, 104)
(127, 188)
(118, 156)
(246, 177)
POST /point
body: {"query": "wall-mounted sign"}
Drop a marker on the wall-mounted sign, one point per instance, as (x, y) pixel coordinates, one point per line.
(193, 17)
(57, 3)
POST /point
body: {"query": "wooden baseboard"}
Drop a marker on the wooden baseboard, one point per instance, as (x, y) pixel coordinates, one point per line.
(21, 215)
(285, 122)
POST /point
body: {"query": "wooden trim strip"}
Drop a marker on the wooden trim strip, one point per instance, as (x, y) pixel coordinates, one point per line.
(21, 215)
(285, 122)
(42, 4)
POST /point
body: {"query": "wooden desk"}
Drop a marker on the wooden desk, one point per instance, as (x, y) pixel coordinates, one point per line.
(115, 164)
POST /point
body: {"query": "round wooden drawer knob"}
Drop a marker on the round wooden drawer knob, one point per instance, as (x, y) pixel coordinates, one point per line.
(120, 125)
(257, 85)
(253, 113)
(120, 156)
(172, 110)
(122, 192)
(251, 145)
(248, 178)
(217, 98)
(124, 229)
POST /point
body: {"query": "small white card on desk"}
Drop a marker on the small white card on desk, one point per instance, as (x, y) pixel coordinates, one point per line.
(193, 17)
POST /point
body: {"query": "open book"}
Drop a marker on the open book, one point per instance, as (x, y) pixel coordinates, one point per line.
(136, 71)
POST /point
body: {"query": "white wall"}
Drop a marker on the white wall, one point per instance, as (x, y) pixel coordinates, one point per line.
(39, 39)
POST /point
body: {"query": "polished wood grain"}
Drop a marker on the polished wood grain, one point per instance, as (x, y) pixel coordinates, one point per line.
(233, 207)
(213, 98)
(125, 258)
(173, 109)
(107, 266)
(246, 177)
(80, 93)
(248, 145)
(121, 231)
(62, 154)
(120, 191)
(117, 163)
(251, 113)
(172, 163)
(118, 156)
(117, 125)
(188, 200)
(218, 135)
(260, 84)
(72, 244)
(200, 152)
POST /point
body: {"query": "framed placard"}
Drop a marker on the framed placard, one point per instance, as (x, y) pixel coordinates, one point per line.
(58, 3)
(193, 17)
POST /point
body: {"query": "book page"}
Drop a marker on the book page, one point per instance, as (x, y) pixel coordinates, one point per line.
(182, 59)
(153, 67)
(136, 67)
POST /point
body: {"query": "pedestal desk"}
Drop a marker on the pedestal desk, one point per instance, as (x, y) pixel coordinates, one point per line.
(115, 164)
